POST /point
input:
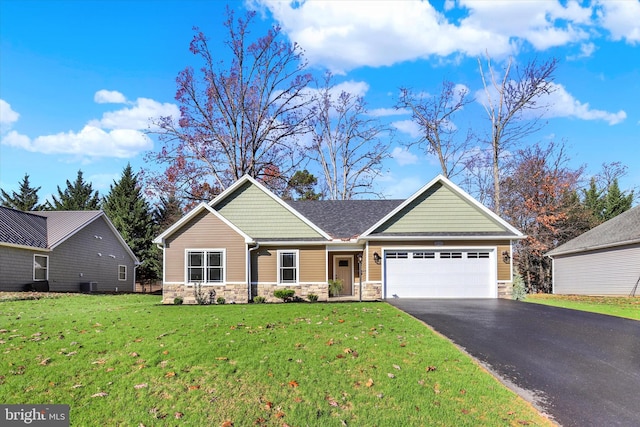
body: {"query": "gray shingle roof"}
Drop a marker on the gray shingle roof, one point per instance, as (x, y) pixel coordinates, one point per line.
(344, 219)
(621, 230)
(22, 228)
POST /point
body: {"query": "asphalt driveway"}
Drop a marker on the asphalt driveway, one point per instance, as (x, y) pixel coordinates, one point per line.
(582, 369)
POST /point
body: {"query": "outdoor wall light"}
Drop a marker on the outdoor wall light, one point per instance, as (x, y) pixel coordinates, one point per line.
(376, 257)
(506, 257)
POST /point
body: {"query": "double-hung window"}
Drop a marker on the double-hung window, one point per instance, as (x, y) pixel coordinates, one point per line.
(40, 267)
(287, 267)
(122, 272)
(205, 266)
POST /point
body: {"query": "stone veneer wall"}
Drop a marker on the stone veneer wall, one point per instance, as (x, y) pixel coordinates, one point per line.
(505, 290)
(231, 293)
(302, 291)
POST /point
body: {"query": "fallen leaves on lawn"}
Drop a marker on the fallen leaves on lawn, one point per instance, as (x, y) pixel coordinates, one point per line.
(194, 387)
(134, 354)
(178, 415)
(100, 394)
(227, 423)
(45, 361)
(170, 374)
(293, 383)
(431, 368)
(370, 382)
(396, 367)
(99, 362)
(390, 375)
(139, 386)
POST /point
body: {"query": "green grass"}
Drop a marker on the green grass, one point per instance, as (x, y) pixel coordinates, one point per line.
(628, 307)
(126, 360)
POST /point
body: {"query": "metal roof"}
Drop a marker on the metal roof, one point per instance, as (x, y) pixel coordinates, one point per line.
(22, 228)
(63, 224)
(624, 229)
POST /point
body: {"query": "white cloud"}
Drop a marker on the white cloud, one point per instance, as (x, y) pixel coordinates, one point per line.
(7, 115)
(89, 142)
(563, 104)
(586, 51)
(409, 127)
(403, 156)
(109, 97)
(401, 188)
(136, 117)
(343, 35)
(117, 134)
(386, 112)
(621, 18)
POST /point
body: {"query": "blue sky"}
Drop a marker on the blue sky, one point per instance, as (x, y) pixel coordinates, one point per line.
(79, 79)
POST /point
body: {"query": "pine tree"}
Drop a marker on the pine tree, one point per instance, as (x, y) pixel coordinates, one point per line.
(302, 183)
(168, 212)
(25, 200)
(594, 201)
(130, 213)
(78, 196)
(615, 201)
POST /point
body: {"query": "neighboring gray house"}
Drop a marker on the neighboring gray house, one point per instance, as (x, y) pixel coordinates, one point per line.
(603, 261)
(63, 251)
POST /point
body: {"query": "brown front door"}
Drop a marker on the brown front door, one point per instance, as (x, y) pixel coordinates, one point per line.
(343, 270)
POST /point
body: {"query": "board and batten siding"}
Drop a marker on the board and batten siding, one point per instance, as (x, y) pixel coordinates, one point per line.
(84, 257)
(440, 210)
(16, 267)
(612, 271)
(274, 220)
(503, 269)
(205, 231)
(312, 264)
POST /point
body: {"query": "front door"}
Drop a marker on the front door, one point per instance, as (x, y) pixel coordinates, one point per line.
(343, 270)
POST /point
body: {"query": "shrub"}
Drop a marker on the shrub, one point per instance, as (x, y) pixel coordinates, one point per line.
(519, 291)
(312, 297)
(335, 286)
(284, 294)
(221, 300)
(259, 299)
(178, 301)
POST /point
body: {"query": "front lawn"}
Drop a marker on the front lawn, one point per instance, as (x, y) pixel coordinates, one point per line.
(125, 360)
(628, 307)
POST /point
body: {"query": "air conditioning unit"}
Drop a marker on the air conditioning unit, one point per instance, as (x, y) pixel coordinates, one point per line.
(88, 287)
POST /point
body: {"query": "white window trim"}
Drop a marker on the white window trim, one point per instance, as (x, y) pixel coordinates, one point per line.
(297, 267)
(125, 273)
(46, 269)
(205, 250)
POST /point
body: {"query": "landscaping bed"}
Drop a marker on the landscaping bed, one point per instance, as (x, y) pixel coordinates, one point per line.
(628, 307)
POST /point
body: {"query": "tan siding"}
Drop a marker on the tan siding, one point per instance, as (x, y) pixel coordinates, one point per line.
(375, 270)
(207, 232)
(274, 220)
(312, 264)
(504, 268)
(440, 210)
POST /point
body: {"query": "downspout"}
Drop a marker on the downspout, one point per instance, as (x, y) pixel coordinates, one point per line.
(256, 247)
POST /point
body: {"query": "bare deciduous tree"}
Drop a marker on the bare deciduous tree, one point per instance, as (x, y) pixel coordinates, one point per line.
(434, 116)
(236, 118)
(512, 105)
(347, 144)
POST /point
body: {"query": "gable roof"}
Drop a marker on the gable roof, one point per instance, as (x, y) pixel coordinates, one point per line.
(278, 215)
(624, 229)
(22, 228)
(195, 211)
(491, 224)
(49, 229)
(344, 219)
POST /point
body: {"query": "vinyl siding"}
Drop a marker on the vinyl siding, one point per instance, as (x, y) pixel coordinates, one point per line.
(85, 258)
(612, 271)
(205, 231)
(16, 268)
(439, 210)
(312, 264)
(375, 270)
(273, 221)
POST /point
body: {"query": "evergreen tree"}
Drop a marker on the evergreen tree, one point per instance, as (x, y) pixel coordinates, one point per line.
(594, 201)
(25, 200)
(130, 213)
(78, 196)
(302, 183)
(615, 201)
(168, 212)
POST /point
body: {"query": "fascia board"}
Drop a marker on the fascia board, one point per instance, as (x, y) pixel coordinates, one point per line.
(552, 253)
(245, 178)
(412, 238)
(27, 247)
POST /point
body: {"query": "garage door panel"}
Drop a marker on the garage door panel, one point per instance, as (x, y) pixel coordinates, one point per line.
(438, 274)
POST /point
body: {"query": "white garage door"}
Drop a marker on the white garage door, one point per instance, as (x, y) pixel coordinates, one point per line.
(439, 274)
